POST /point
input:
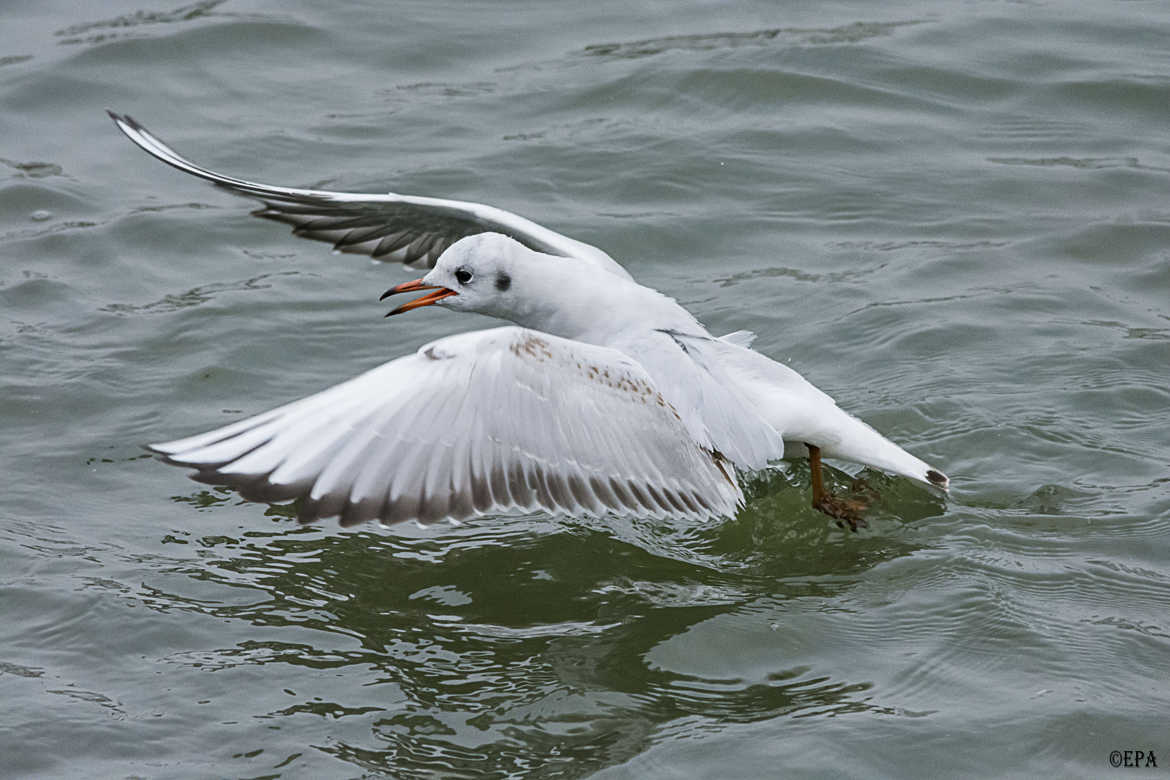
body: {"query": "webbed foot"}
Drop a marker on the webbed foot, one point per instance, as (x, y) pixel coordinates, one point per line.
(846, 511)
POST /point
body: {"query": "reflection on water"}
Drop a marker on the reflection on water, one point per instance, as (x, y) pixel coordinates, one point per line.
(517, 642)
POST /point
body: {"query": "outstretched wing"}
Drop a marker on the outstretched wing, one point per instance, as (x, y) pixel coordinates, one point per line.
(410, 229)
(483, 422)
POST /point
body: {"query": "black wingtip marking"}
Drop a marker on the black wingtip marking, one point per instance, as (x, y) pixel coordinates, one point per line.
(936, 477)
(124, 119)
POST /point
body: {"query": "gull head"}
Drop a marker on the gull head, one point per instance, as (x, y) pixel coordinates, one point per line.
(484, 273)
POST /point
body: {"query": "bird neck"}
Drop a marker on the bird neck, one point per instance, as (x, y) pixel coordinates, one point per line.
(576, 301)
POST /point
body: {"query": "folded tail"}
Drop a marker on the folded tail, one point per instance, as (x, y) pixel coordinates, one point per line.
(802, 413)
(843, 436)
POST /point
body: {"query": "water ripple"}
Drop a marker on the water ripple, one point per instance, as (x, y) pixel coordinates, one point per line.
(844, 34)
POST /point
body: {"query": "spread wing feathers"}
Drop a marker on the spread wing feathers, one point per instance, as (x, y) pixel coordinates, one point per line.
(484, 422)
(413, 230)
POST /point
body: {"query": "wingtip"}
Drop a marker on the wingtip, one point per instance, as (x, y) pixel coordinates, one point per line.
(163, 455)
(125, 123)
(938, 479)
(137, 132)
(165, 451)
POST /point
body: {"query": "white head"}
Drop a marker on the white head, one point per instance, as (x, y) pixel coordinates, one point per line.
(489, 273)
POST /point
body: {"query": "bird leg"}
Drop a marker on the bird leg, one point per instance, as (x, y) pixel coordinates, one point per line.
(844, 510)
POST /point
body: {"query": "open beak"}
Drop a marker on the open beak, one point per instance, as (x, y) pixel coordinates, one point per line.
(432, 297)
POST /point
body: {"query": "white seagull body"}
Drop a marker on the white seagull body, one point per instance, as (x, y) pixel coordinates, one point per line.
(606, 397)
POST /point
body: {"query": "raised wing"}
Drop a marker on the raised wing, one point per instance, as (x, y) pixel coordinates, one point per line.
(406, 228)
(484, 422)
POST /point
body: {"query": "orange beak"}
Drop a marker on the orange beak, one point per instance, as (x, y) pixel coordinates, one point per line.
(439, 294)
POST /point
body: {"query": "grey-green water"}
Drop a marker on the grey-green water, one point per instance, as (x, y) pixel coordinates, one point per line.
(952, 216)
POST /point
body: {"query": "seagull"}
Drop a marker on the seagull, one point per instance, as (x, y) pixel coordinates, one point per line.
(603, 397)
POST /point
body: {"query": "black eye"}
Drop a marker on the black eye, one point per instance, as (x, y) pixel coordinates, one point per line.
(463, 275)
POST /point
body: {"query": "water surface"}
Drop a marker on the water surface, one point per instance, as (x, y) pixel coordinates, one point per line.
(953, 217)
